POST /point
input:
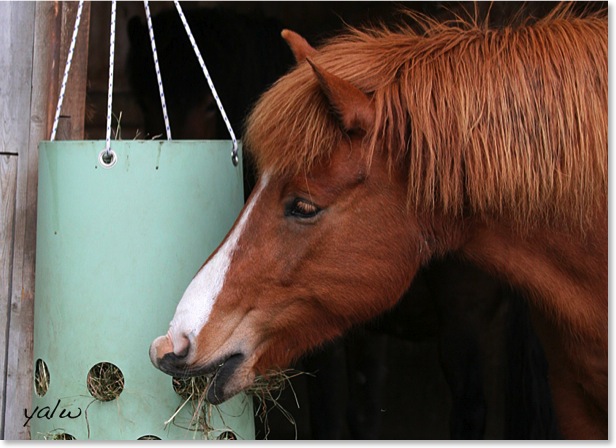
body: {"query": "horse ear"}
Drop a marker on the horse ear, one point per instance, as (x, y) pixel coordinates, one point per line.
(352, 106)
(299, 46)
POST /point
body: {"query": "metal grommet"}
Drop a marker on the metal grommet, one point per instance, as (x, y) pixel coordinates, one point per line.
(235, 159)
(107, 158)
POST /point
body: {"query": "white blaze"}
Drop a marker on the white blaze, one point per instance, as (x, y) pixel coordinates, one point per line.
(194, 309)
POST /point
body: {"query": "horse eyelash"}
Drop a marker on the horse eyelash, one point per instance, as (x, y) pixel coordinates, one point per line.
(302, 208)
(305, 206)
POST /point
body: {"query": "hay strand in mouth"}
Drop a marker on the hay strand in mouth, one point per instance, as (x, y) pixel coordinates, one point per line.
(191, 387)
(193, 391)
(273, 381)
(266, 389)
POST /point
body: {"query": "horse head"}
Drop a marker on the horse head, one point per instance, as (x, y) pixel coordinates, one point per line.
(311, 253)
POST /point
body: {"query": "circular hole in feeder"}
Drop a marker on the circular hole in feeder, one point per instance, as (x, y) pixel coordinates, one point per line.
(41, 378)
(149, 437)
(227, 435)
(61, 436)
(107, 159)
(105, 381)
(194, 387)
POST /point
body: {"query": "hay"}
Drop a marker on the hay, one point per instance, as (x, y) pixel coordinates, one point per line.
(58, 436)
(227, 435)
(272, 382)
(118, 129)
(117, 132)
(41, 378)
(105, 381)
(267, 389)
(193, 390)
(62, 436)
(188, 388)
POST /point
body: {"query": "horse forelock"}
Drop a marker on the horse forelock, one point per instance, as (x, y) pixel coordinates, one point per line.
(508, 122)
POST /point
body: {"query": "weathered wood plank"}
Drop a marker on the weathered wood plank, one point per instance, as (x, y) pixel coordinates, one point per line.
(72, 124)
(8, 184)
(16, 23)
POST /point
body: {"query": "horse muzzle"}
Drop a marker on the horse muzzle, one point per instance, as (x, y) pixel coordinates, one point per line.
(221, 372)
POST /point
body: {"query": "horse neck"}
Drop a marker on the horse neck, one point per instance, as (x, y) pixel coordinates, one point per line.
(564, 276)
(565, 279)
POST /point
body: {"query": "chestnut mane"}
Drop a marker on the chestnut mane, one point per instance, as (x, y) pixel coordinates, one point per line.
(505, 123)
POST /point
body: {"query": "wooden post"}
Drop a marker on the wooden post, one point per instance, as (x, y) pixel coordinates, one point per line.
(72, 118)
(32, 36)
(16, 21)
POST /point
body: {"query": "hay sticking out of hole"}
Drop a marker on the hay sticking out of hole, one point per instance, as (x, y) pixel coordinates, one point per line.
(57, 436)
(227, 435)
(41, 378)
(105, 381)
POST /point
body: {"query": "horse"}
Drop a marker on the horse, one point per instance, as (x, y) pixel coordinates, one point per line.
(358, 363)
(387, 148)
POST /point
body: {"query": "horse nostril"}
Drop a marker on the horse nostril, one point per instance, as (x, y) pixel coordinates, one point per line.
(183, 353)
(170, 352)
(181, 346)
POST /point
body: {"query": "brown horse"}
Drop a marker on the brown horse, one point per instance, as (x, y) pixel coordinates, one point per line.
(385, 149)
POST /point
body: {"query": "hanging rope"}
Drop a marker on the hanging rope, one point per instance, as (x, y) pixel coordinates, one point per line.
(158, 76)
(234, 152)
(109, 156)
(67, 68)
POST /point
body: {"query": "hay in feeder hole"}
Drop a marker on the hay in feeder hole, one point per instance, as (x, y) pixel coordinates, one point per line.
(58, 436)
(41, 378)
(227, 435)
(63, 436)
(105, 381)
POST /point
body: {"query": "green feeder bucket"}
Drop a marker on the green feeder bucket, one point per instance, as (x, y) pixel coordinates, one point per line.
(117, 244)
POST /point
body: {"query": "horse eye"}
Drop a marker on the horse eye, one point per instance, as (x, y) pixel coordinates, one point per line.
(302, 208)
